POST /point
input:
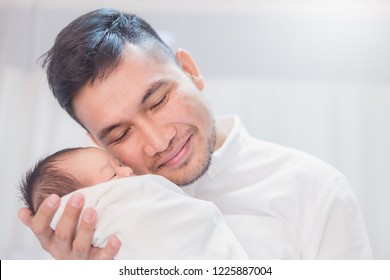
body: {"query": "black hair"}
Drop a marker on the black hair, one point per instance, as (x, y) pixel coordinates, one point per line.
(47, 177)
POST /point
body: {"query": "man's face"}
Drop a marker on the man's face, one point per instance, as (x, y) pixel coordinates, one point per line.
(151, 116)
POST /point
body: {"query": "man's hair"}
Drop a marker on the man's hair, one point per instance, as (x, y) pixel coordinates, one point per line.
(47, 177)
(90, 48)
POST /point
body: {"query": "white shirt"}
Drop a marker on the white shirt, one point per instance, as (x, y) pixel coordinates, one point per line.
(155, 219)
(282, 203)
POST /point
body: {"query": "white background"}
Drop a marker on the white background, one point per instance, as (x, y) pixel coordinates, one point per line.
(314, 75)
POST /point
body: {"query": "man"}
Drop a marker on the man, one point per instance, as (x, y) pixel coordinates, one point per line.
(144, 105)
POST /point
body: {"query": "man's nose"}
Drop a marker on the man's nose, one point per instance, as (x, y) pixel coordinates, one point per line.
(156, 138)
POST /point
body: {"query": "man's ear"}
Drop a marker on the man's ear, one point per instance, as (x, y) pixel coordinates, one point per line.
(187, 63)
(93, 139)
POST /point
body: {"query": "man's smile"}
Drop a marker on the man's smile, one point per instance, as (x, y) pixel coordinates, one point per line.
(177, 153)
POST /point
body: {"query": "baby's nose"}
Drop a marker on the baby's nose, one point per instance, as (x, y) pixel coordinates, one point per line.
(124, 171)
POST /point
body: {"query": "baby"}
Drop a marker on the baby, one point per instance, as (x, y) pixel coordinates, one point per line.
(153, 218)
(69, 170)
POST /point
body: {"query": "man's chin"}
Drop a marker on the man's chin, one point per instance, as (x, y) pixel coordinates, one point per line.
(182, 182)
(189, 176)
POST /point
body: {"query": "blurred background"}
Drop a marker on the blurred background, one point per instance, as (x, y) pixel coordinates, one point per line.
(310, 74)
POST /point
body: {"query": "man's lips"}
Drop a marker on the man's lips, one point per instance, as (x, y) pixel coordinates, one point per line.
(178, 155)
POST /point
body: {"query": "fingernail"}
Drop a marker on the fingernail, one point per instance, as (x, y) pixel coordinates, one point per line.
(77, 200)
(88, 216)
(52, 200)
(114, 242)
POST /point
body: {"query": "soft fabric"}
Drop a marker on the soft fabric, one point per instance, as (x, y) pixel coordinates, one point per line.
(154, 219)
(282, 203)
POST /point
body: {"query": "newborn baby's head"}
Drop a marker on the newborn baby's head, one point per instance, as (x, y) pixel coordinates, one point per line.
(68, 170)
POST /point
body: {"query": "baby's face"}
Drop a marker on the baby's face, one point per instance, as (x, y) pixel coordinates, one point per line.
(92, 166)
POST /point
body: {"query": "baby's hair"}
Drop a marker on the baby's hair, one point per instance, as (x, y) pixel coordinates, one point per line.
(47, 177)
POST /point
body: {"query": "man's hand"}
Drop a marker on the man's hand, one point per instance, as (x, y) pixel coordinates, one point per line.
(66, 242)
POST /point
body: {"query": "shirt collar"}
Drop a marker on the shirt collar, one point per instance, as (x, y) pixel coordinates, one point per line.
(226, 154)
(235, 131)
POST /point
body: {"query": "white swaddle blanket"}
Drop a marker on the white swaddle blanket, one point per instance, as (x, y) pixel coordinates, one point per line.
(155, 219)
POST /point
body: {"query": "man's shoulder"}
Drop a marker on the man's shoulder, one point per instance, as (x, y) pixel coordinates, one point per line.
(262, 159)
(288, 160)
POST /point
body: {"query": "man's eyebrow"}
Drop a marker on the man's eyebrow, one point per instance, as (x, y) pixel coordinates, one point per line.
(154, 87)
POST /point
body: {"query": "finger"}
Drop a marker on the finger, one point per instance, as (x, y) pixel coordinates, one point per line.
(108, 252)
(84, 235)
(25, 216)
(66, 228)
(40, 222)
